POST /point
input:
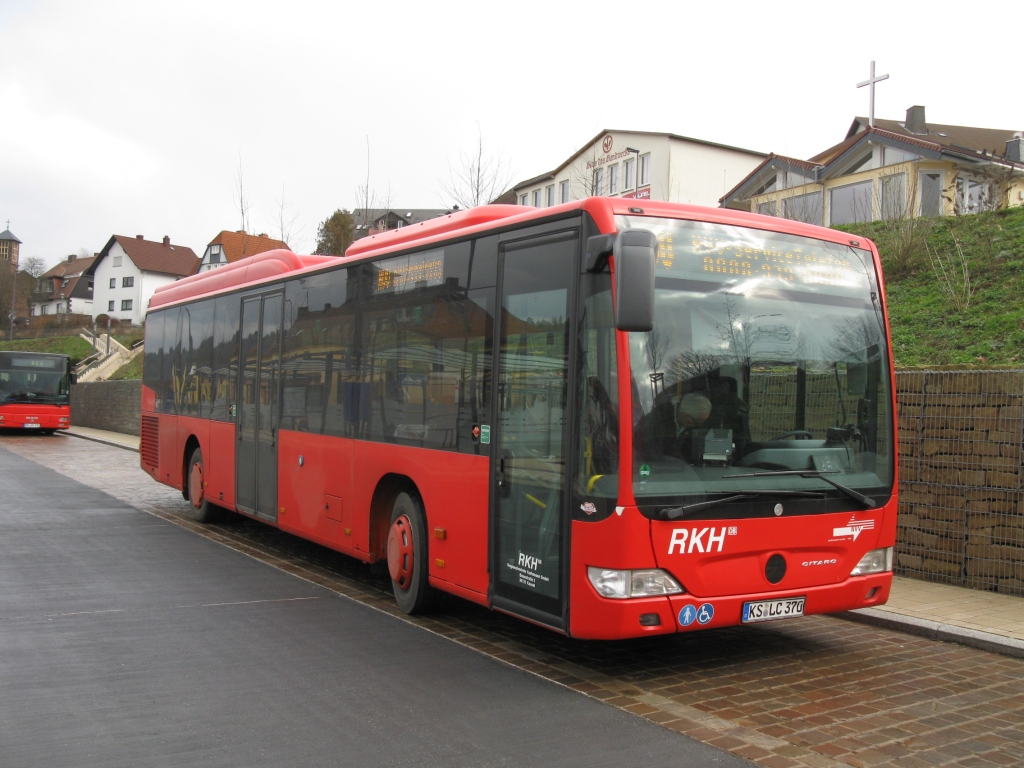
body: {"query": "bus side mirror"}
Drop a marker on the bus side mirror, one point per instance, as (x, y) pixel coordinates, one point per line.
(634, 253)
(74, 378)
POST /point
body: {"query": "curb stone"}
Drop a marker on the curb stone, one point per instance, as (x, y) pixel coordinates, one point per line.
(936, 630)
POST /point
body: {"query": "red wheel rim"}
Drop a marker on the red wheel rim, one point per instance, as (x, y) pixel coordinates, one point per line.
(195, 485)
(400, 552)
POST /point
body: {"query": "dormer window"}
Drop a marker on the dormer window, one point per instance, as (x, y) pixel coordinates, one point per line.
(215, 254)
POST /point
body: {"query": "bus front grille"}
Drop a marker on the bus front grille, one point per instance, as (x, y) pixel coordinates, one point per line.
(149, 442)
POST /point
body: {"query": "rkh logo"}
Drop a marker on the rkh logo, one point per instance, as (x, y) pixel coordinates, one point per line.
(528, 561)
(853, 528)
(696, 538)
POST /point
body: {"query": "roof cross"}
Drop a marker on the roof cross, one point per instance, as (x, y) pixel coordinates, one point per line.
(871, 81)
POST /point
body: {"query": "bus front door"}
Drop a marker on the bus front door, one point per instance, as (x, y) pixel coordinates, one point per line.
(529, 527)
(258, 408)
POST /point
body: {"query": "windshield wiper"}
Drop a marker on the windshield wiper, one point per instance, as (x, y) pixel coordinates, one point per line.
(855, 495)
(674, 513)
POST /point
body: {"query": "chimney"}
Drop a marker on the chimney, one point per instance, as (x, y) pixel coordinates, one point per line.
(167, 240)
(71, 257)
(1015, 148)
(915, 121)
(138, 237)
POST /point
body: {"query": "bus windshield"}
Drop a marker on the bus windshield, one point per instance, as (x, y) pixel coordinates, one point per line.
(28, 378)
(766, 370)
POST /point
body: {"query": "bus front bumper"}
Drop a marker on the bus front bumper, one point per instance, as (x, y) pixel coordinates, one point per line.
(599, 618)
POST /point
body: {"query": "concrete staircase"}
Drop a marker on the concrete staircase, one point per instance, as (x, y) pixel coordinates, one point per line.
(105, 365)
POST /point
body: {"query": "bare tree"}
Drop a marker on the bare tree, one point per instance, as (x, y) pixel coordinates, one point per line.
(953, 275)
(285, 221)
(34, 265)
(242, 203)
(369, 203)
(478, 178)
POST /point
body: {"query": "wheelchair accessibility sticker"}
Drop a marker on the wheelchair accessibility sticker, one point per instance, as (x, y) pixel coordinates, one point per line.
(701, 614)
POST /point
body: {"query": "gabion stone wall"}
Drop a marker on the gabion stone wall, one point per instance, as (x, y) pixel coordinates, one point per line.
(961, 518)
(110, 405)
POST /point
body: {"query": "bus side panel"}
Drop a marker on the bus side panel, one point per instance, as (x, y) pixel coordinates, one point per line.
(219, 458)
(454, 490)
(314, 498)
(170, 461)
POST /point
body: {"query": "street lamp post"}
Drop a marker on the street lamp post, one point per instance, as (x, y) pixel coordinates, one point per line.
(14, 297)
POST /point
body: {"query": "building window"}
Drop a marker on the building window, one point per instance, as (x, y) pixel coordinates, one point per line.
(972, 196)
(126, 304)
(768, 208)
(3, 249)
(613, 179)
(628, 172)
(110, 306)
(117, 261)
(931, 193)
(536, 198)
(851, 203)
(805, 208)
(645, 170)
(42, 309)
(598, 186)
(60, 308)
(524, 199)
(215, 254)
(127, 282)
(113, 282)
(892, 196)
(564, 189)
(550, 195)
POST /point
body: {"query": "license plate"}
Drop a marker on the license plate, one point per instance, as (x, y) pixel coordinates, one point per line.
(770, 610)
(30, 426)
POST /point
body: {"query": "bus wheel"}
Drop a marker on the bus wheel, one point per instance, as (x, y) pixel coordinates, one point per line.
(407, 556)
(200, 508)
(46, 431)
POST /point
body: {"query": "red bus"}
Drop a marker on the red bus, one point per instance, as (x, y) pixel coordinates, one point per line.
(606, 419)
(35, 391)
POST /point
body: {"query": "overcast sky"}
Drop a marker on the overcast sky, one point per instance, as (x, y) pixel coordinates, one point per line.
(131, 117)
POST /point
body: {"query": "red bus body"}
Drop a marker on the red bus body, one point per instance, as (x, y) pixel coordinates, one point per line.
(34, 391)
(338, 490)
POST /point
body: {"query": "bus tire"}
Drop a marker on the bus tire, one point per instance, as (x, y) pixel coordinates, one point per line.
(199, 507)
(47, 431)
(407, 556)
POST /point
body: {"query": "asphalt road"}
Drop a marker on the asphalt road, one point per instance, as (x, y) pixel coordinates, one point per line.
(126, 640)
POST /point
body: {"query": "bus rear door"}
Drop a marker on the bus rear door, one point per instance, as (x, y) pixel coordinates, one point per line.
(258, 410)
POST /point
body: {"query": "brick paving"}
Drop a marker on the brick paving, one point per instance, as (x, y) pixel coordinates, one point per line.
(814, 692)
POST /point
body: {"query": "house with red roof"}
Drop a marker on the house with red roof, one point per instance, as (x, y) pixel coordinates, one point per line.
(228, 247)
(61, 289)
(890, 170)
(129, 269)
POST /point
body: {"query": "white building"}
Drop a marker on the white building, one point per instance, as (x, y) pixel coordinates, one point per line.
(643, 166)
(129, 269)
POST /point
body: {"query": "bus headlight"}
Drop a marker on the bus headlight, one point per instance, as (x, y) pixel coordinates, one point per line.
(619, 585)
(875, 561)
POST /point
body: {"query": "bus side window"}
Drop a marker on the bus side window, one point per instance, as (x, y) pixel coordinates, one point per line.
(225, 356)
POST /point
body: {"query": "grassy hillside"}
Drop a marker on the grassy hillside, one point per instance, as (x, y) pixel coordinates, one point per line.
(130, 370)
(74, 346)
(953, 321)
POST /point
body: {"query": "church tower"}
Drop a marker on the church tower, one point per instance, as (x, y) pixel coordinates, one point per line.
(9, 247)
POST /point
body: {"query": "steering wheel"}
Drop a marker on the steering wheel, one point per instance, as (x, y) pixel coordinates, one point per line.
(799, 434)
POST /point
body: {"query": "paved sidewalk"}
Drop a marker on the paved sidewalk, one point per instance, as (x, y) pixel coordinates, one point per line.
(119, 439)
(971, 617)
